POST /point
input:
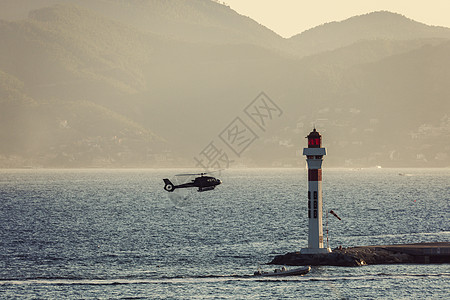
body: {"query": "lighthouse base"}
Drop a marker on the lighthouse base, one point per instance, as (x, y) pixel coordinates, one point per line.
(315, 250)
(421, 253)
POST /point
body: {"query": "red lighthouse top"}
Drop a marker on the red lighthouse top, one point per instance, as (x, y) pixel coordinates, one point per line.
(314, 139)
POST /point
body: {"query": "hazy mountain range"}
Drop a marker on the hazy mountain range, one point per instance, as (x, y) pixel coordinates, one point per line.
(148, 83)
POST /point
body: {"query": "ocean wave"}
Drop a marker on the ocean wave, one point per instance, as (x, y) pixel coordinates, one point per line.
(210, 278)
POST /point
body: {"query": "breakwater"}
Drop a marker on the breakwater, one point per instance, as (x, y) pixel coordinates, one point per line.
(420, 253)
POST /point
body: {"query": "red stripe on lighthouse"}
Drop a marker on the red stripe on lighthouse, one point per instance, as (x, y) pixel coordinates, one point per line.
(314, 174)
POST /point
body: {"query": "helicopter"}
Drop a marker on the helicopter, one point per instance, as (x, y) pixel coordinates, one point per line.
(203, 183)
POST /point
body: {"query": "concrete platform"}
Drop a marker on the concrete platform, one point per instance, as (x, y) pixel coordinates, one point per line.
(420, 253)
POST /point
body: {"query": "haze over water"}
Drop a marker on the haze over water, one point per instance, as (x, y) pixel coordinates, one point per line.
(116, 234)
(145, 83)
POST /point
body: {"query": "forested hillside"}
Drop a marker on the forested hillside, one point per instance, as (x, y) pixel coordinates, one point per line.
(146, 83)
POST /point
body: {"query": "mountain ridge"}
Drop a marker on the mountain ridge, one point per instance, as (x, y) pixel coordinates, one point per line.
(374, 25)
(109, 94)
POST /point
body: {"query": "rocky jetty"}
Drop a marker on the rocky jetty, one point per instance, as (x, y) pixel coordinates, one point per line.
(371, 255)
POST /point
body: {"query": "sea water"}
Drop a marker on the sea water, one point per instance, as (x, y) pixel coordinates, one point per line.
(107, 234)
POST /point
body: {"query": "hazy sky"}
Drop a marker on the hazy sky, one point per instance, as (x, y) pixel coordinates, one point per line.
(289, 17)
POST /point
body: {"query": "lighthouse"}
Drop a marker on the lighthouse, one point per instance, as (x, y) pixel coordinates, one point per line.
(314, 156)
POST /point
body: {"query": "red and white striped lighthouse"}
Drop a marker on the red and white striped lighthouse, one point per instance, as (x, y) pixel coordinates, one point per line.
(314, 156)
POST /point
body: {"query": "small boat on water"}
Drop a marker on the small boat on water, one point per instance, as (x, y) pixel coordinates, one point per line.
(284, 272)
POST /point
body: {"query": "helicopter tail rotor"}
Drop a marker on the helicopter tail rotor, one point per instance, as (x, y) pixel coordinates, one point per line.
(169, 185)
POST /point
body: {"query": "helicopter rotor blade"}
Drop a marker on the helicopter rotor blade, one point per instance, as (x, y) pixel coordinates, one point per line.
(199, 174)
(213, 171)
(187, 174)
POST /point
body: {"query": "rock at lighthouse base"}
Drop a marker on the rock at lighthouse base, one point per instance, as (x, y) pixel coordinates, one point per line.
(420, 253)
(322, 259)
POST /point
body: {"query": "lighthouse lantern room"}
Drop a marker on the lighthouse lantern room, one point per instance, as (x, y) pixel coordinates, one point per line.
(314, 156)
